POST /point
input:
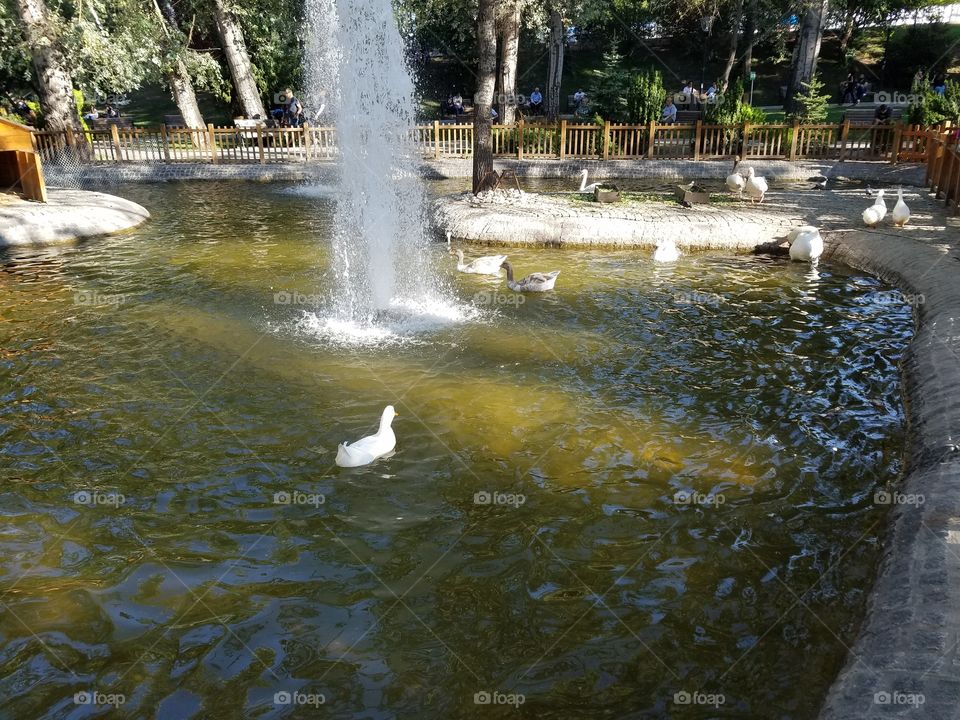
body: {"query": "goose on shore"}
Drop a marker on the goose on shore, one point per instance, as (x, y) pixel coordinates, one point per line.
(901, 213)
(735, 180)
(876, 212)
(534, 282)
(755, 186)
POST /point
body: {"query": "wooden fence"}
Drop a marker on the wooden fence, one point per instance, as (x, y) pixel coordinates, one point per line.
(610, 141)
(943, 168)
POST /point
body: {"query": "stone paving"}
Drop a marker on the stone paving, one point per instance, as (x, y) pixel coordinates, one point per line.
(68, 215)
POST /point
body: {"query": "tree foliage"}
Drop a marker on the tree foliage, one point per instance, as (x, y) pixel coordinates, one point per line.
(811, 102)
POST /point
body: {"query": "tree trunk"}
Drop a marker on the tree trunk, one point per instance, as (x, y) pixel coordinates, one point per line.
(736, 21)
(178, 78)
(53, 79)
(848, 28)
(235, 51)
(807, 50)
(555, 72)
(509, 46)
(483, 98)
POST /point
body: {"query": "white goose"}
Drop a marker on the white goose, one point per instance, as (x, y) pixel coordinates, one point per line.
(666, 251)
(534, 282)
(365, 450)
(807, 245)
(584, 188)
(755, 186)
(901, 213)
(487, 265)
(792, 235)
(735, 180)
(876, 212)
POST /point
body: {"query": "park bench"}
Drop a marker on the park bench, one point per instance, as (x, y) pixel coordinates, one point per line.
(688, 117)
(105, 123)
(864, 116)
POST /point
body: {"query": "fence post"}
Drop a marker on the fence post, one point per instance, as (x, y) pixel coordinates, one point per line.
(436, 139)
(71, 141)
(897, 137)
(745, 133)
(260, 143)
(115, 136)
(931, 154)
(306, 142)
(697, 137)
(606, 139)
(520, 139)
(164, 142)
(844, 136)
(795, 135)
(211, 138)
(563, 139)
(652, 138)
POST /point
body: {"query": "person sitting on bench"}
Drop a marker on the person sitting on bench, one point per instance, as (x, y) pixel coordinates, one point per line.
(669, 112)
(536, 102)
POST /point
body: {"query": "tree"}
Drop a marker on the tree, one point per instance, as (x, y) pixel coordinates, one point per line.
(555, 66)
(178, 77)
(235, 53)
(508, 23)
(811, 103)
(53, 78)
(736, 21)
(806, 52)
(483, 98)
(608, 92)
(645, 96)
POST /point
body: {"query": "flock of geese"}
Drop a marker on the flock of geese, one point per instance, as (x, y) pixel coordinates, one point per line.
(805, 242)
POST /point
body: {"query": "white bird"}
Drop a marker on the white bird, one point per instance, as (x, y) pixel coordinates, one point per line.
(792, 235)
(488, 265)
(584, 188)
(876, 212)
(755, 186)
(534, 282)
(807, 245)
(901, 213)
(666, 251)
(735, 180)
(365, 450)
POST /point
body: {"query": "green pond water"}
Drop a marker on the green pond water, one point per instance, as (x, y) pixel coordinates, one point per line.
(156, 397)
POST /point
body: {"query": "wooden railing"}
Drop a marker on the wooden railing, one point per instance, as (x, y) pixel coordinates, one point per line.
(943, 166)
(610, 141)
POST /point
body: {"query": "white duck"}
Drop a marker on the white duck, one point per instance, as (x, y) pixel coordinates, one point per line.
(534, 282)
(807, 245)
(876, 212)
(792, 235)
(666, 251)
(488, 265)
(735, 180)
(755, 186)
(901, 213)
(365, 450)
(584, 188)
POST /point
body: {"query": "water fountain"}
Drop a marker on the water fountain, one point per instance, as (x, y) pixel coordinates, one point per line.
(355, 60)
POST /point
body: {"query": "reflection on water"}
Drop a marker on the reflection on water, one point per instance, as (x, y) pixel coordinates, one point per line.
(653, 480)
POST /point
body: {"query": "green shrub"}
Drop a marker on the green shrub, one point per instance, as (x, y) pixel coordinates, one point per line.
(645, 96)
(932, 109)
(810, 104)
(607, 94)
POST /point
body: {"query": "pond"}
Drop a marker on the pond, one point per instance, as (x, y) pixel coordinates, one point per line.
(650, 492)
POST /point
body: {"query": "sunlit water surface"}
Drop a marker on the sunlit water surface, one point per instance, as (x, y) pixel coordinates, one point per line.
(186, 367)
